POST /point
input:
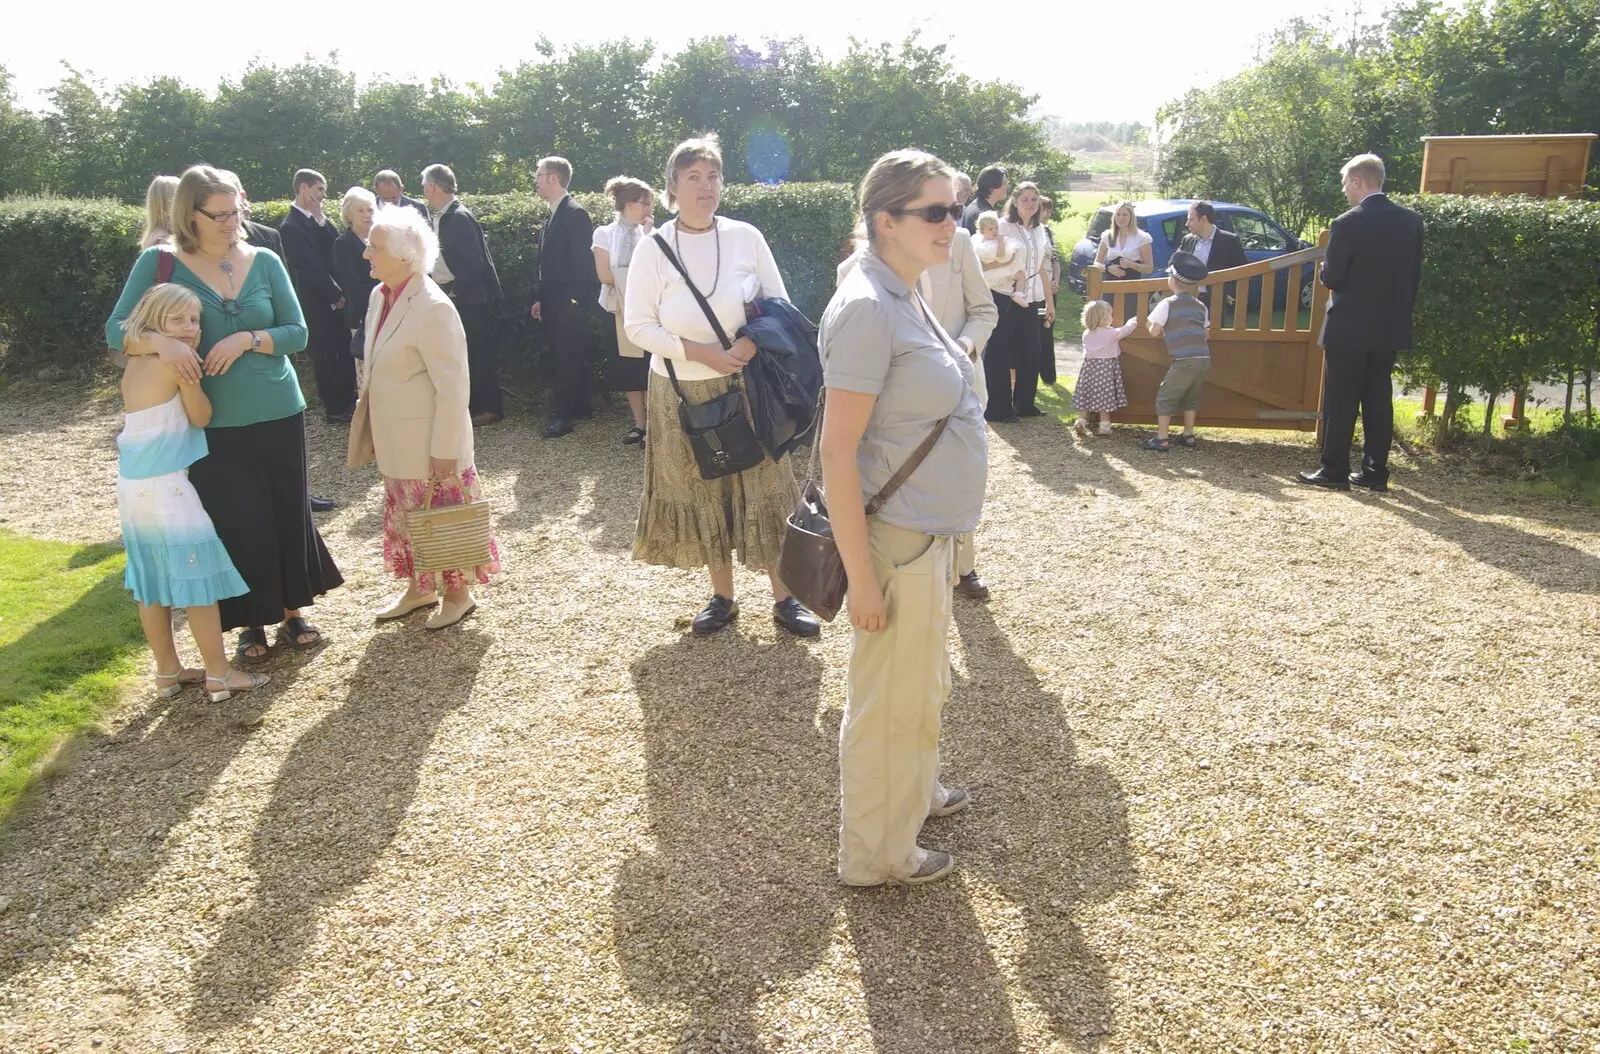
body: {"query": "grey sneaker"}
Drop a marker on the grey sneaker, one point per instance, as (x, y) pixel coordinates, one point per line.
(936, 866)
(955, 800)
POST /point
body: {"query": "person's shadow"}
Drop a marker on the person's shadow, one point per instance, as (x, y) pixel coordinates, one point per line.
(738, 897)
(95, 828)
(341, 796)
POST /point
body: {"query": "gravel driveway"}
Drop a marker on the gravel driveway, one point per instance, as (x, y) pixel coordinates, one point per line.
(1254, 768)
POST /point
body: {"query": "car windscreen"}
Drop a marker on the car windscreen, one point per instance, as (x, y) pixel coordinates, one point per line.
(1099, 225)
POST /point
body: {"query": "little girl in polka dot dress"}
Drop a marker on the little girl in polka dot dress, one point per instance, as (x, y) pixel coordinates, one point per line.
(174, 556)
(1099, 389)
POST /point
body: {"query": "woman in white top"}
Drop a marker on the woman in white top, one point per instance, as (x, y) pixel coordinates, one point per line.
(158, 211)
(1014, 382)
(686, 521)
(614, 246)
(1124, 250)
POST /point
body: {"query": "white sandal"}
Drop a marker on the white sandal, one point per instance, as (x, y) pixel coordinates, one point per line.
(176, 682)
(257, 680)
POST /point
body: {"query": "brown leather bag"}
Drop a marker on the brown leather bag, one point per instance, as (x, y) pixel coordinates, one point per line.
(809, 564)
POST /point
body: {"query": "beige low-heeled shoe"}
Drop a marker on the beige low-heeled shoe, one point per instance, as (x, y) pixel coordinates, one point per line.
(405, 604)
(449, 614)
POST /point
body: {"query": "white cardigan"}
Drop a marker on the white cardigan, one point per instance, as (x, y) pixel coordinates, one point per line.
(660, 313)
(417, 381)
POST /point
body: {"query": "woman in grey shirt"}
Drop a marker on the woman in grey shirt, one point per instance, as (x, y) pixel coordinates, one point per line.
(893, 377)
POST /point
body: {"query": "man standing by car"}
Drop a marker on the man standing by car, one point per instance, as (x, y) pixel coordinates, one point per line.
(991, 192)
(308, 240)
(1374, 267)
(1218, 249)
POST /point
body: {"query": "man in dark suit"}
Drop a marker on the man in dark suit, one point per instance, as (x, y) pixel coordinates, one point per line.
(466, 271)
(390, 191)
(1217, 249)
(1374, 267)
(567, 286)
(989, 195)
(308, 240)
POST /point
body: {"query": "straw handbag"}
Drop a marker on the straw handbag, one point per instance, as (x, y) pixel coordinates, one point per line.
(451, 538)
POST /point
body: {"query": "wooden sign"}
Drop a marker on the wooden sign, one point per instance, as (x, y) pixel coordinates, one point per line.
(1541, 166)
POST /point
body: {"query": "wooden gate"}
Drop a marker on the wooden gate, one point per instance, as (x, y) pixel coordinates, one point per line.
(1266, 364)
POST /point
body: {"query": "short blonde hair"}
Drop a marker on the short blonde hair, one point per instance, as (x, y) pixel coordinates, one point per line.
(1096, 314)
(158, 304)
(352, 197)
(158, 206)
(407, 236)
(197, 184)
(1369, 167)
(894, 181)
(988, 217)
(559, 165)
(688, 153)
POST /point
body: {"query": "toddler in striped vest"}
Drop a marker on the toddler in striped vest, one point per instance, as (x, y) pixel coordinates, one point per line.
(1182, 321)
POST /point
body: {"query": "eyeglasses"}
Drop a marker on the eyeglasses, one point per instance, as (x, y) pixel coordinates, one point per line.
(932, 213)
(220, 217)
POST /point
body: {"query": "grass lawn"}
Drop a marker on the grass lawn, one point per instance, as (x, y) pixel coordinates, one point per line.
(69, 636)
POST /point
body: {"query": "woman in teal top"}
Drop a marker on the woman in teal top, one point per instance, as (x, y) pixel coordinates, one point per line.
(253, 482)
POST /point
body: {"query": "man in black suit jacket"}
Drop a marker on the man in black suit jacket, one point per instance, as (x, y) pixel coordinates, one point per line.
(1218, 249)
(1374, 267)
(990, 194)
(390, 191)
(567, 286)
(308, 240)
(466, 271)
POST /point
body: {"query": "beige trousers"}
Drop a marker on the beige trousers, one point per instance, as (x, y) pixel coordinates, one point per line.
(966, 555)
(895, 692)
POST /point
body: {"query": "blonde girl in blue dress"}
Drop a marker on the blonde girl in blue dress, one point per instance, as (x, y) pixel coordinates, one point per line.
(174, 557)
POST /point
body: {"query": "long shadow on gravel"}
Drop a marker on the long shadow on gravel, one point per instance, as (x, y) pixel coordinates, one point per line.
(739, 896)
(1048, 832)
(87, 839)
(341, 796)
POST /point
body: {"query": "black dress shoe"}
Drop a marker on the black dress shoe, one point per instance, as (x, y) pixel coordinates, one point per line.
(1377, 484)
(1001, 418)
(796, 618)
(559, 427)
(340, 419)
(321, 504)
(973, 586)
(1317, 479)
(715, 615)
(1030, 411)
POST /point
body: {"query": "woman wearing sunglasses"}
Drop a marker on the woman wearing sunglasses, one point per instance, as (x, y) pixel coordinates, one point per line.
(252, 483)
(898, 389)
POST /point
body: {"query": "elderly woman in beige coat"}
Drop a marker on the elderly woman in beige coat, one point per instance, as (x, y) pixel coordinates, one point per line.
(416, 392)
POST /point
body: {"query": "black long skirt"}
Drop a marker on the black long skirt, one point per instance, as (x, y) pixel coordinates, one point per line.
(253, 486)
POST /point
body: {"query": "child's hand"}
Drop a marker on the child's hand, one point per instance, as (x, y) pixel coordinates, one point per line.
(180, 360)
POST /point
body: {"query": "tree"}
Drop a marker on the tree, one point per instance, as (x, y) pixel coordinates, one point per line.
(24, 154)
(78, 130)
(274, 121)
(161, 127)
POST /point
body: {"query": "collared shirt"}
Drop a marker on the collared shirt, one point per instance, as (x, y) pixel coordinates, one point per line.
(318, 216)
(1202, 246)
(441, 270)
(389, 297)
(879, 338)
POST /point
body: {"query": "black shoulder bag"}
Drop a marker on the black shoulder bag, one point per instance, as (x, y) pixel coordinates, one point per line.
(719, 431)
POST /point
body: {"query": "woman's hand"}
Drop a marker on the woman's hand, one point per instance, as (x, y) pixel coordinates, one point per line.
(442, 468)
(1115, 270)
(865, 601)
(723, 361)
(178, 358)
(225, 352)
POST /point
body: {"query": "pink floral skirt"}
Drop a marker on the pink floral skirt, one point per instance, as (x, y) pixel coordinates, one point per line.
(404, 495)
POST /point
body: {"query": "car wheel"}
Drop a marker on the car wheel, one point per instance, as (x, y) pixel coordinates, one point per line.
(1155, 298)
(1306, 294)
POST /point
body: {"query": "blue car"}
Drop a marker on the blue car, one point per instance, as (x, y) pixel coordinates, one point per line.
(1164, 220)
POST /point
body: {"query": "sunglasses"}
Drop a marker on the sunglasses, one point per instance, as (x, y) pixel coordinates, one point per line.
(932, 213)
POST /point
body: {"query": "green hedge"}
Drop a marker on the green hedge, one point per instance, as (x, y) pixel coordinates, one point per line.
(1510, 292)
(63, 262)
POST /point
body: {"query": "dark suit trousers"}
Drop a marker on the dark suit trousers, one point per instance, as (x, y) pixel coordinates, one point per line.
(1025, 341)
(482, 360)
(1047, 353)
(328, 341)
(997, 360)
(1351, 383)
(567, 335)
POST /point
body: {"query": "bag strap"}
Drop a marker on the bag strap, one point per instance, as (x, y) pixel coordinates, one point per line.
(164, 265)
(909, 466)
(711, 316)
